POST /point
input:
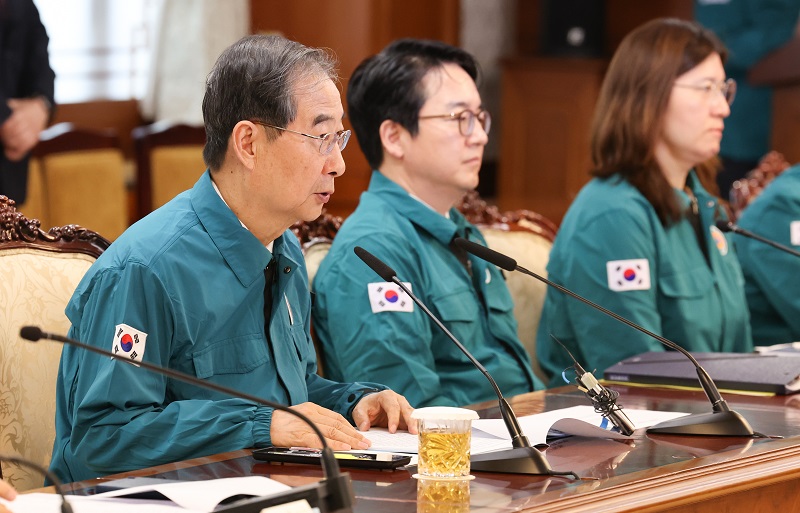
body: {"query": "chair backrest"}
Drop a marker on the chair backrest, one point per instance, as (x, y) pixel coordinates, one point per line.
(35, 206)
(82, 179)
(747, 189)
(316, 238)
(39, 272)
(527, 237)
(169, 160)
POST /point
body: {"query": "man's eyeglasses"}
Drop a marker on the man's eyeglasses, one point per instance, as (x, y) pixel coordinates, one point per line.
(466, 120)
(327, 141)
(727, 88)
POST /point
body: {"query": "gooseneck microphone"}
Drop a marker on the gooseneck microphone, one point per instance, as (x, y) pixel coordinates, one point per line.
(603, 399)
(721, 422)
(730, 226)
(65, 506)
(523, 458)
(333, 494)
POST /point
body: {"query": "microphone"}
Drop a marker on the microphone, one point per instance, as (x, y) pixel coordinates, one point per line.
(333, 494)
(603, 399)
(721, 422)
(730, 226)
(65, 506)
(522, 458)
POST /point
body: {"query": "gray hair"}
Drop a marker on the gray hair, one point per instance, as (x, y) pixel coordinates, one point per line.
(255, 79)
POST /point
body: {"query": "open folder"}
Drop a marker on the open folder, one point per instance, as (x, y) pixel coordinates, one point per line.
(776, 373)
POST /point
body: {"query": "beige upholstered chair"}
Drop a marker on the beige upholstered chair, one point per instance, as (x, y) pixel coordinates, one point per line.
(169, 160)
(82, 179)
(527, 237)
(38, 272)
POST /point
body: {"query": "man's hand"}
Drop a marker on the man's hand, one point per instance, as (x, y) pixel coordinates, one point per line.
(21, 130)
(289, 431)
(6, 492)
(385, 409)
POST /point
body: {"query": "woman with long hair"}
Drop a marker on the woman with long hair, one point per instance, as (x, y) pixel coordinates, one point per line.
(640, 238)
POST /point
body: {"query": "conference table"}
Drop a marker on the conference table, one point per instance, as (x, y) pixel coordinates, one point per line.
(645, 474)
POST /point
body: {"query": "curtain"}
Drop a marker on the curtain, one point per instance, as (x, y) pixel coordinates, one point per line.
(191, 36)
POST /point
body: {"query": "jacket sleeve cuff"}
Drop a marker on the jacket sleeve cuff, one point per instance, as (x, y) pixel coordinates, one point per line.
(262, 422)
(357, 392)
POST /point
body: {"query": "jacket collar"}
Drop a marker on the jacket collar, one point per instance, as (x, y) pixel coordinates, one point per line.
(694, 185)
(241, 250)
(438, 226)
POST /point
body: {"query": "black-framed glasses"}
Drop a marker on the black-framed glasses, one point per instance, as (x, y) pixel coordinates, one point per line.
(727, 88)
(466, 120)
(327, 141)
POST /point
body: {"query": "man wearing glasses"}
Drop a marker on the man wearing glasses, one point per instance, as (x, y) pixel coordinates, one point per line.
(213, 284)
(419, 120)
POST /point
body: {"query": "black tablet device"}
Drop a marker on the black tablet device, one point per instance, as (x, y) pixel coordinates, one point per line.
(382, 461)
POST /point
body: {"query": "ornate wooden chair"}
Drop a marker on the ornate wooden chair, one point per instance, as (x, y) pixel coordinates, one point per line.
(82, 179)
(744, 191)
(35, 206)
(39, 272)
(316, 238)
(169, 160)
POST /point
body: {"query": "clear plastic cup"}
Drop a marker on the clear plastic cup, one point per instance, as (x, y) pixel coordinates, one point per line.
(444, 441)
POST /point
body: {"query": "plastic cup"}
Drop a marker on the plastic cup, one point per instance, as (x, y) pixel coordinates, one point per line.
(444, 441)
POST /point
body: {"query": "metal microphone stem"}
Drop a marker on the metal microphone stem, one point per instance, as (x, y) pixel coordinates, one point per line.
(65, 506)
(338, 494)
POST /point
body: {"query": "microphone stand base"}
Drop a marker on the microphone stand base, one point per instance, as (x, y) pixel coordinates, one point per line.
(319, 495)
(723, 423)
(519, 460)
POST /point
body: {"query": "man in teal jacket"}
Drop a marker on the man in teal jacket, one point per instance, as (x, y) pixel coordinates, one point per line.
(612, 249)
(772, 277)
(419, 120)
(214, 285)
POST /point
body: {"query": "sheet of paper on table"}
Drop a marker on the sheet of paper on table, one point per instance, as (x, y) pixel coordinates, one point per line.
(206, 495)
(577, 421)
(186, 496)
(51, 503)
(491, 434)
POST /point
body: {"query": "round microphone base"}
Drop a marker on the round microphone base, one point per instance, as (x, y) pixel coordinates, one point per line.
(723, 423)
(519, 460)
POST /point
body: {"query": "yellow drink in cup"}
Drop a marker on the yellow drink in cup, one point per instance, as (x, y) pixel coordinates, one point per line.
(444, 441)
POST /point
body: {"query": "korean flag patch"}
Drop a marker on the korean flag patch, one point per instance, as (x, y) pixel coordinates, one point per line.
(129, 342)
(626, 275)
(389, 297)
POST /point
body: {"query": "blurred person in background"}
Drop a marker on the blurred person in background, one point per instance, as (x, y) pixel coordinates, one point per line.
(640, 238)
(750, 29)
(26, 92)
(770, 275)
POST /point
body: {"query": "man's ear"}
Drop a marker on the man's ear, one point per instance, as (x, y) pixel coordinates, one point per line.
(392, 136)
(243, 142)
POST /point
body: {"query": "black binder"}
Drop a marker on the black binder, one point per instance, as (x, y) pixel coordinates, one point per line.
(777, 373)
